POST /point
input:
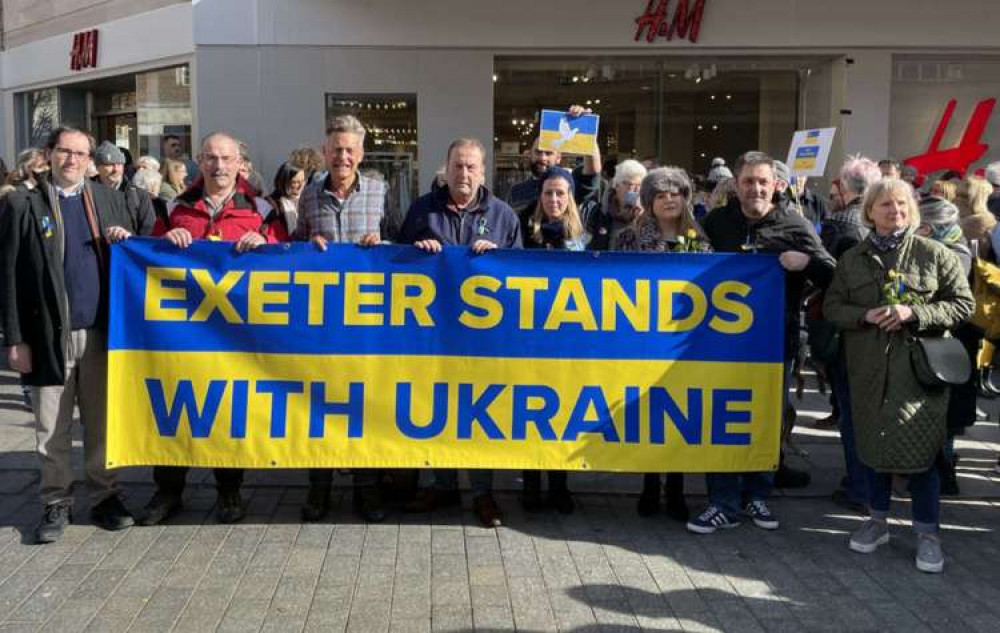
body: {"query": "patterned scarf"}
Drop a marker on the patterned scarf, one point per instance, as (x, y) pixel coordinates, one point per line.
(947, 233)
(886, 243)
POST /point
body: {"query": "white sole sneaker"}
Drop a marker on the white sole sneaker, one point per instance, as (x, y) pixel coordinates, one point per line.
(711, 529)
(765, 525)
(868, 548)
(930, 568)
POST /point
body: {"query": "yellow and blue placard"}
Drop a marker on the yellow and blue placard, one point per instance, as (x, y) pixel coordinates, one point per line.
(391, 357)
(810, 151)
(560, 132)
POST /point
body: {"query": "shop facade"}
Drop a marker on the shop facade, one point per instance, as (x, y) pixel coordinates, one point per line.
(128, 80)
(748, 75)
(676, 82)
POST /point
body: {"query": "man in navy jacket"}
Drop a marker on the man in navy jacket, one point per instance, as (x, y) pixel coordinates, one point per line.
(461, 213)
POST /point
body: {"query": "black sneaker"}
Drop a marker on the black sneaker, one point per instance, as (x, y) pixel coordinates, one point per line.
(368, 503)
(231, 508)
(677, 508)
(649, 498)
(531, 497)
(54, 521)
(111, 514)
(317, 504)
(562, 501)
(787, 477)
(160, 507)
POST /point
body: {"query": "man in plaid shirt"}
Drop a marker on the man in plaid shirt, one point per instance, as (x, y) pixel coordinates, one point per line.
(349, 208)
(346, 206)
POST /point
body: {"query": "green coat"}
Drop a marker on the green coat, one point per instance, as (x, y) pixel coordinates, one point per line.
(900, 425)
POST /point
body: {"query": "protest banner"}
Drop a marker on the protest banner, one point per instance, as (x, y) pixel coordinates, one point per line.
(392, 357)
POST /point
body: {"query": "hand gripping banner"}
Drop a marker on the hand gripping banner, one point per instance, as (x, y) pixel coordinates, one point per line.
(391, 357)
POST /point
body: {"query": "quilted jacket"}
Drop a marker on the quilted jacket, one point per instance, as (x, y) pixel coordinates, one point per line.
(899, 424)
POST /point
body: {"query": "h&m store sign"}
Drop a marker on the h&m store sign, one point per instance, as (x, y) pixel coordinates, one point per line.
(83, 54)
(668, 19)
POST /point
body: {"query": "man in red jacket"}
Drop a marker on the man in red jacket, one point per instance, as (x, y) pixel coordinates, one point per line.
(219, 205)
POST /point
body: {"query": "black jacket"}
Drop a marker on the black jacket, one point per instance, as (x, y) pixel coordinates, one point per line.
(141, 210)
(33, 304)
(729, 231)
(844, 229)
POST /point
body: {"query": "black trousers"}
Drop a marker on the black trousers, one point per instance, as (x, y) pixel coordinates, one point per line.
(172, 479)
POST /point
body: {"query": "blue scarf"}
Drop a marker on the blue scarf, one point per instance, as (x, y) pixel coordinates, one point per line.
(886, 243)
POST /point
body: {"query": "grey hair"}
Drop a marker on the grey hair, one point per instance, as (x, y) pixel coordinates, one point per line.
(993, 173)
(346, 124)
(627, 170)
(664, 179)
(219, 134)
(148, 180)
(147, 162)
(858, 173)
(466, 142)
(752, 159)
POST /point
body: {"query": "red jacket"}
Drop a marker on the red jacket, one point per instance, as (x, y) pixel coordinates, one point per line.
(243, 212)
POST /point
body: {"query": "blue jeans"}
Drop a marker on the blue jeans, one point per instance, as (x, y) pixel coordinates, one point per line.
(925, 491)
(731, 491)
(857, 479)
(480, 480)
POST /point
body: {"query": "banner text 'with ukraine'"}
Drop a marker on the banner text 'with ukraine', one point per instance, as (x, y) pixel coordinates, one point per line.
(391, 357)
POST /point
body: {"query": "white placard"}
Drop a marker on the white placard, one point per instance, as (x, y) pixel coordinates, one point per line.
(810, 150)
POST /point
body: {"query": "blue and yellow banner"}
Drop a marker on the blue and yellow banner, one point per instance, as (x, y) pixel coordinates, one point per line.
(560, 132)
(391, 357)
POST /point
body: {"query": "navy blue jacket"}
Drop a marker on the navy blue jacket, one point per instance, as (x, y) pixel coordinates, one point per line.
(487, 218)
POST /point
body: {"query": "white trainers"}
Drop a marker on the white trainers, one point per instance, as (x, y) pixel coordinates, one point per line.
(870, 536)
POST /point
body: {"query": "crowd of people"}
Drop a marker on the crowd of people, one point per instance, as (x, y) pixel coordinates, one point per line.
(868, 270)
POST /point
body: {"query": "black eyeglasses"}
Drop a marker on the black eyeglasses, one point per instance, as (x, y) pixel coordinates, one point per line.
(65, 152)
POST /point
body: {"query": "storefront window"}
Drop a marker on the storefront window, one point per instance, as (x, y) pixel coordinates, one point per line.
(669, 111)
(132, 111)
(38, 115)
(951, 95)
(390, 142)
(163, 105)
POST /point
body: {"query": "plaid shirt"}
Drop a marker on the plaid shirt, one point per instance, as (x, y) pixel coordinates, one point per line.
(321, 213)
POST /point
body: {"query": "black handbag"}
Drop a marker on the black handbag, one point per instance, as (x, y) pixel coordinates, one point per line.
(939, 361)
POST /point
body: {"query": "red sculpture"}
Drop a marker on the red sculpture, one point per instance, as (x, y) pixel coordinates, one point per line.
(968, 150)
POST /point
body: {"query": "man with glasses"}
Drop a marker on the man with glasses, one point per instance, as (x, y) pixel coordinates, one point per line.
(53, 311)
(220, 205)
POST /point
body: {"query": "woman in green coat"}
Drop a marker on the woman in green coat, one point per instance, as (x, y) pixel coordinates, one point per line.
(886, 288)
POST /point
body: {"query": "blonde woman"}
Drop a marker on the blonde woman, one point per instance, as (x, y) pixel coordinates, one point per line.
(976, 220)
(944, 189)
(556, 223)
(174, 174)
(27, 173)
(888, 287)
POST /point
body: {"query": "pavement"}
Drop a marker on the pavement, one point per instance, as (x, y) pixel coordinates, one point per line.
(600, 569)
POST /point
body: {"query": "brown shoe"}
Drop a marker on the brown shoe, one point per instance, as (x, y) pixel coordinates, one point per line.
(430, 499)
(486, 509)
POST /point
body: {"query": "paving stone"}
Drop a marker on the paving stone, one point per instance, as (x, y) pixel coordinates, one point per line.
(451, 618)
